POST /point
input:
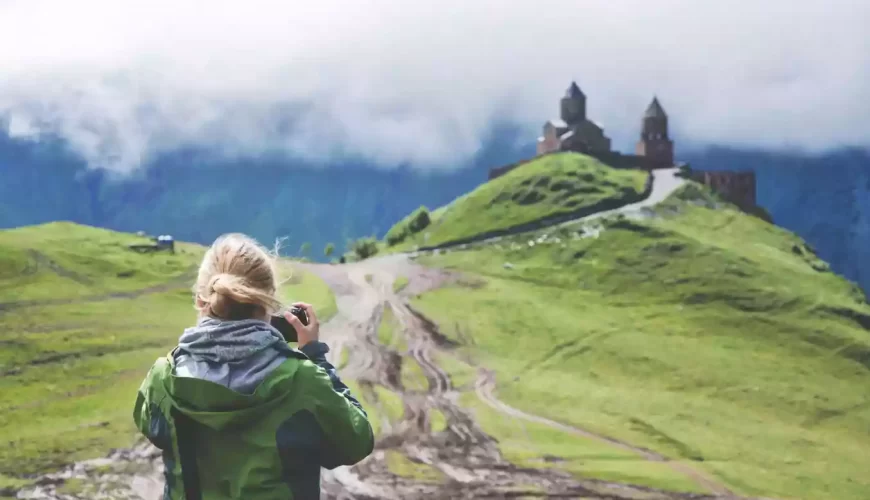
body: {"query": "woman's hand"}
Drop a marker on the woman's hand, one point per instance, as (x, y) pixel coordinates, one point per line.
(304, 334)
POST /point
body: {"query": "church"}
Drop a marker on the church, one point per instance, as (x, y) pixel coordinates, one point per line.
(573, 131)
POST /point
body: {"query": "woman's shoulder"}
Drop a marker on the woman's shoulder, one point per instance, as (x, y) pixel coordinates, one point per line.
(162, 368)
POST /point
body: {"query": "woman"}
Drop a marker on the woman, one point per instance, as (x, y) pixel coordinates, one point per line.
(238, 413)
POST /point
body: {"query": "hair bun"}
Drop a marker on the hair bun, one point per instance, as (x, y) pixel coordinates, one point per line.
(236, 280)
(221, 283)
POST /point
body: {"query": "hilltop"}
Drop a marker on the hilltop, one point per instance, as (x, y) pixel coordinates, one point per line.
(559, 185)
(82, 318)
(699, 332)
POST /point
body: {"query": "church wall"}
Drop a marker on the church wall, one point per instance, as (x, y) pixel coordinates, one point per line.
(660, 152)
(593, 136)
(550, 140)
(735, 187)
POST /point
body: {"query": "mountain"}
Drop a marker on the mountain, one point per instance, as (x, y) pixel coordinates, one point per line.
(195, 197)
(546, 189)
(699, 332)
(689, 351)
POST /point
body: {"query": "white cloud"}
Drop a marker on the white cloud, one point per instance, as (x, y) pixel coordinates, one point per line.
(421, 81)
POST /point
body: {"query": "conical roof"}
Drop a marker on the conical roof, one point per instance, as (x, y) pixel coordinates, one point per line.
(574, 91)
(655, 110)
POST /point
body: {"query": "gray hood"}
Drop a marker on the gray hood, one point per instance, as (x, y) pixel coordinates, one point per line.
(236, 354)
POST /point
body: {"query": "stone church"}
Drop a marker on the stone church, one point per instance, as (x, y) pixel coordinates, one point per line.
(573, 131)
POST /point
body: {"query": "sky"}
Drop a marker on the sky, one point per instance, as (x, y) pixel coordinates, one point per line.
(422, 82)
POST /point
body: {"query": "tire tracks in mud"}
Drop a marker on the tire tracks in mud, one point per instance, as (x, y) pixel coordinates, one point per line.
(467, 458)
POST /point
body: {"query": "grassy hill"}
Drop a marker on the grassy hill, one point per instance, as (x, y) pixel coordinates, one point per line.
(82, 318)
(552, 185)
(705, 334)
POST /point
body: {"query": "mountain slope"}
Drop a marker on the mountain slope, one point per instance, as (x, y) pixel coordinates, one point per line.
(704, 334)
(824, 198)
(82, 318)
(549, 187)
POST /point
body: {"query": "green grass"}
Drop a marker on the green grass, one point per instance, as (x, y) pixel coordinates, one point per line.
(369, 406)
(57, 261)
(402, 466)
(462, 375)
(75, 486)
(437, 421)
(413, 377)
(71, 364)
(379, 403)
(10, 484)
(707, 335)
(531, 444)
(387, 334)
(390, 403)
(400, 284)
(306, 287)
(345, 357)
(552, 185)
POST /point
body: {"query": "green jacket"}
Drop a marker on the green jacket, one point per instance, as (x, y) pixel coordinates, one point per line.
(219, 444)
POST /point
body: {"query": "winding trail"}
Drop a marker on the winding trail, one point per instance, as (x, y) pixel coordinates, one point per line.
(468, 459)
(664, 183)
(485, 389)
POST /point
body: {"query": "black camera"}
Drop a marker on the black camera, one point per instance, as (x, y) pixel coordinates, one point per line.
(280, 323)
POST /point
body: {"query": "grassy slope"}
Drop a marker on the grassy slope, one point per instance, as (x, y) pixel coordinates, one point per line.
(707, 335)
(71, 368)
(551, 185)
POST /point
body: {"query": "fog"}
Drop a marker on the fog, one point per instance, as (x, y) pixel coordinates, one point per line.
(423, 82)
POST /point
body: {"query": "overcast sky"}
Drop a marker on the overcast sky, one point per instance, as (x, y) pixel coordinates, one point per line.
(421, 81)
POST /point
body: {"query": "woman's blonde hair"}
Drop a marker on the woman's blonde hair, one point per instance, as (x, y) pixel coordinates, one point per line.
(237, 280)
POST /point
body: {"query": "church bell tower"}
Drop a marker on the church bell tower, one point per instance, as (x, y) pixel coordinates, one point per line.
(654, 142)
(574, 105)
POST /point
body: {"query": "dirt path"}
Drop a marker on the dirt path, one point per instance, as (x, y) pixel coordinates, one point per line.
(665, 182)
(467, 460)
(485, 388)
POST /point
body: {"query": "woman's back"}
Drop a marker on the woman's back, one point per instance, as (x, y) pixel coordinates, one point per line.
(238, 413)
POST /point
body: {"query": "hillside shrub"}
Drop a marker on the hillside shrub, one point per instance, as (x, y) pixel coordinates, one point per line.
(364, 248)
(685, 171)
(410, 225)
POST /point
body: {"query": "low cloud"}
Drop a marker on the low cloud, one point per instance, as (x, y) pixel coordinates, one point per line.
(421, 82)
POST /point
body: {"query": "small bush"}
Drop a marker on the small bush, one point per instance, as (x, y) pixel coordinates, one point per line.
(419, 220)
(364, 248)
(412, 224)
(685, 171)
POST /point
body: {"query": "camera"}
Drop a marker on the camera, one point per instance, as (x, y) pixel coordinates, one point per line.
(280, 323)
